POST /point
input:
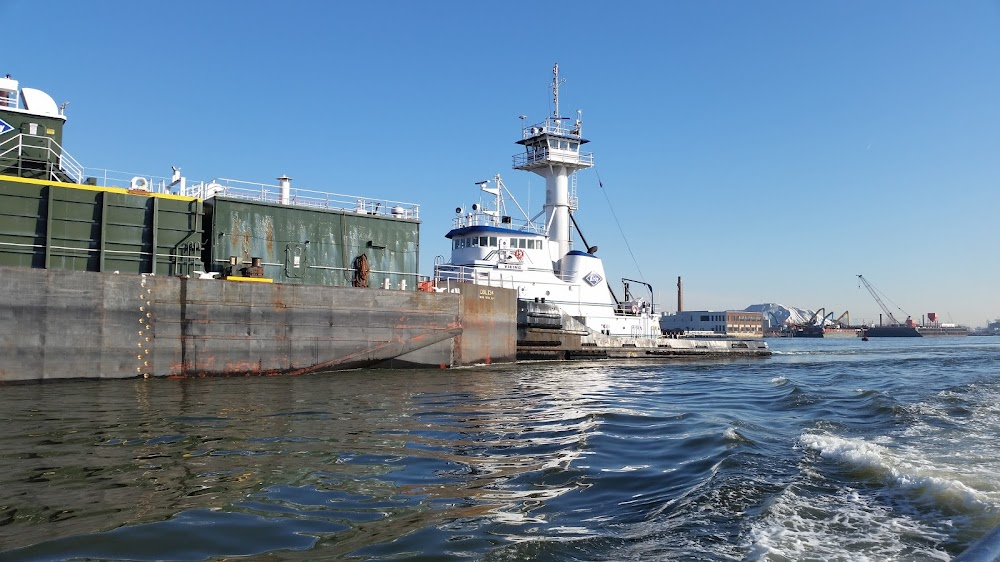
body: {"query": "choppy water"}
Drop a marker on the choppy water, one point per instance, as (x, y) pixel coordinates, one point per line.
(829, 450)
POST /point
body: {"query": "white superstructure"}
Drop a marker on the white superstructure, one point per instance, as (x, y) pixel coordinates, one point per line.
(535, 256)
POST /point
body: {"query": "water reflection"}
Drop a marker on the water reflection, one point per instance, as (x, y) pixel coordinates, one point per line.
(407, 450)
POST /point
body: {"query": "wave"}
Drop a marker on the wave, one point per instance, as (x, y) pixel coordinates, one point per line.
(918, 477)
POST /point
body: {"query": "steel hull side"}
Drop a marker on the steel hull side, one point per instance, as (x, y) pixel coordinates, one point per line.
(891, 332)
(60, 324)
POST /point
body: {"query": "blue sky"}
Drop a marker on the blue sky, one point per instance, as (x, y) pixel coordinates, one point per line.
(766, 151)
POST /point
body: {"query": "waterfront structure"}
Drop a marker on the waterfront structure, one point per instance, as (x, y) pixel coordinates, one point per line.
(727, 323)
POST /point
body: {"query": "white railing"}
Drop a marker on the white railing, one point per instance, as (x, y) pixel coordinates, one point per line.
(12, 150)
(123, 180)
(545, 154)
(480, 218)
(489, 276)
(56, 159)
(250, 191)
(552, 126)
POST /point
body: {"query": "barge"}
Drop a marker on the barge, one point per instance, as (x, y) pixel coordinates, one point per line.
(111, 275)
(114, 275)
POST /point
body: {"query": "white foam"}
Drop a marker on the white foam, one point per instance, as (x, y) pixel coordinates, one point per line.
(917, 477)
(844, 525)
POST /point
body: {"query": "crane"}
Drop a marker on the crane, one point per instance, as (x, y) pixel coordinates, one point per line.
(812, 319)
(875, 293)
(844, 319)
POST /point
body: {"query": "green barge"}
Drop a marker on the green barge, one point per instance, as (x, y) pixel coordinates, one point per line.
(111, 275)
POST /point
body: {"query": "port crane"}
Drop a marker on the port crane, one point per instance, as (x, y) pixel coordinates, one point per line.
(844, 319)
(875, 293)
(816, 315)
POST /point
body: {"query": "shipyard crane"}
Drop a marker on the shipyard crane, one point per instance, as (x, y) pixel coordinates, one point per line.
(814, 317)
(875, 293)
(841, 319)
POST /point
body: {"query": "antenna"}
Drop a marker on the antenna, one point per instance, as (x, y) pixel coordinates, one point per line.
(555, 89)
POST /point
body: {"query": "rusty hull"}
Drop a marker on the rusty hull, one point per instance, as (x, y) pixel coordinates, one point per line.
(60, 324)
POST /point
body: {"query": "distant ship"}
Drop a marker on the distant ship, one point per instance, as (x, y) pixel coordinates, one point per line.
(815, 331)
(991, 329)
(908, 328)
(820, 326)
(913, 330)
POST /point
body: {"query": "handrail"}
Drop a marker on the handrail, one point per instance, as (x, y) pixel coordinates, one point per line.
(63, 161)
(480, 218)
(546, 154)
(60, 160)
(253, 191)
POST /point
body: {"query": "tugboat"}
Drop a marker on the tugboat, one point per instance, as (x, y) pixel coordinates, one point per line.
(566, 309)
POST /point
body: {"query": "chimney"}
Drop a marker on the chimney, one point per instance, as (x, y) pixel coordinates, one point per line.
(680, 295)
(285, 185)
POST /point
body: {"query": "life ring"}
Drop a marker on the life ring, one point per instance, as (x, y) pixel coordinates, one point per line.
(635, 309)
(519, 253)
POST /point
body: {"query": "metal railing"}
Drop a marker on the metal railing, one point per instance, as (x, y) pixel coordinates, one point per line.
(116, 178)
(55, 159)
(50, 159)
(545, 154)
(480, 218)
(552, 126)
(485, 276)
(250, 191)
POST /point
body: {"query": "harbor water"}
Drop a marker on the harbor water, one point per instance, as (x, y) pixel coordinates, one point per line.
(828, 450)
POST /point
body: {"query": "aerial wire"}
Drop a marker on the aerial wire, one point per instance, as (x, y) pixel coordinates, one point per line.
(625, 238)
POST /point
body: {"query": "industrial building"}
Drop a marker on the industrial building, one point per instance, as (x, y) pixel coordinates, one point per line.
(729, 323)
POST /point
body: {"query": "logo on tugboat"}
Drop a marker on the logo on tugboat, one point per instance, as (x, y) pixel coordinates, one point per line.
(593, 279)
(5, 126)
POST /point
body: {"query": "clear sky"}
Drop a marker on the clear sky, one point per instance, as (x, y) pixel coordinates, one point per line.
(766, 151)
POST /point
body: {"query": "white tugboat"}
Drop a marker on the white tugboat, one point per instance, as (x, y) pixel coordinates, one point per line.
(566, 309)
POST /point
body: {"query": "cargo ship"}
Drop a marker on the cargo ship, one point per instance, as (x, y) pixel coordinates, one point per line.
(821, 326)
(111, 275)
(816, 331)
(908, 328)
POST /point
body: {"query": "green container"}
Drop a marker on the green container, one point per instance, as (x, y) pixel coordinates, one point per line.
(47, 224)
(313, 246)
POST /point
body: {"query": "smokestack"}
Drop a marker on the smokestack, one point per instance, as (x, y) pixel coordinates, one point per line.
(680, 295)
(285, 186)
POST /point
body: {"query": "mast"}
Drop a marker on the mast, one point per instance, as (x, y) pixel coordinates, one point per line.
(555, 90)
(552, 150)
